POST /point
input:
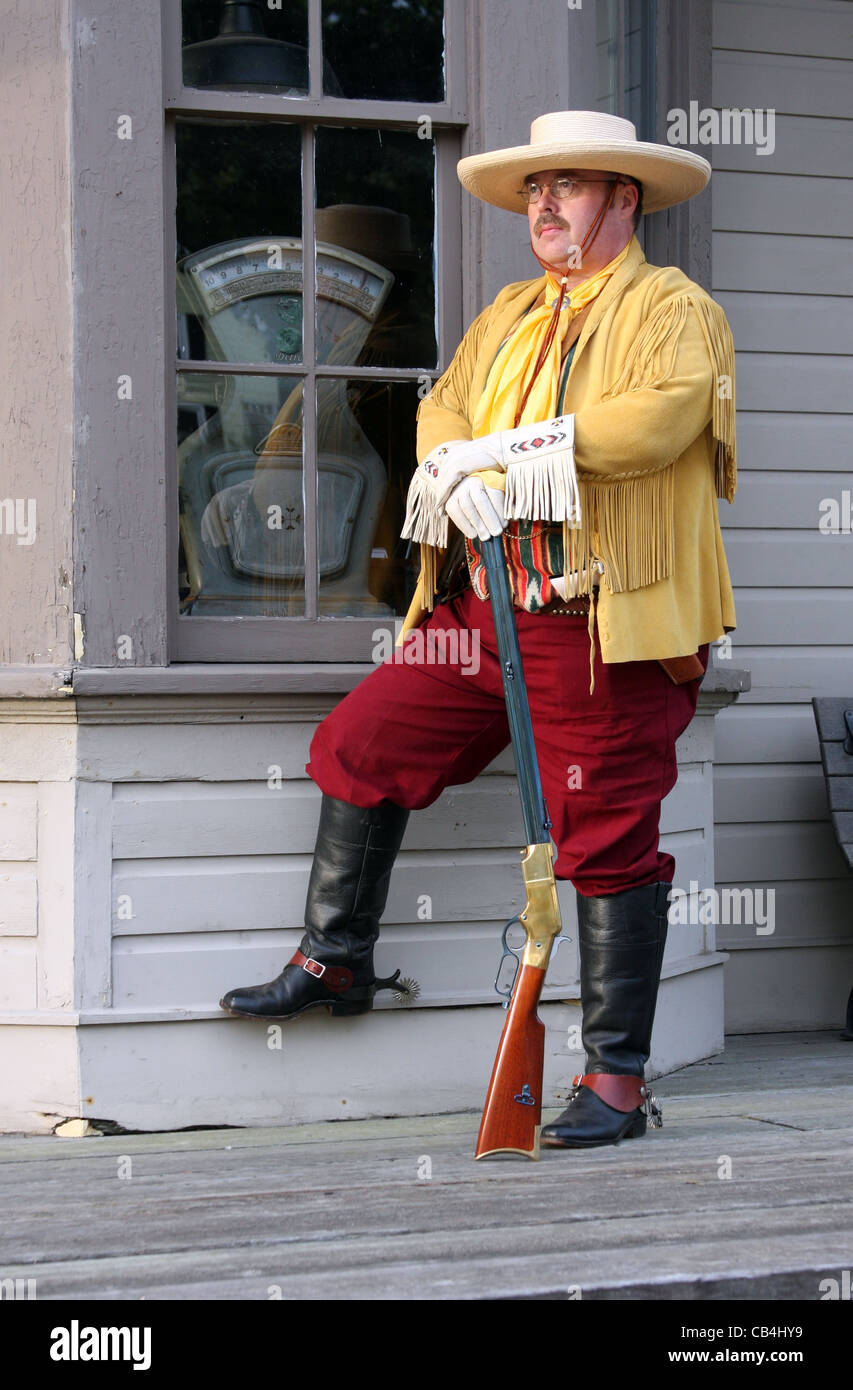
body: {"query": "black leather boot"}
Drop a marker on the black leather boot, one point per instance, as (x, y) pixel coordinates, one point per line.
(621, 940)
(333, 968)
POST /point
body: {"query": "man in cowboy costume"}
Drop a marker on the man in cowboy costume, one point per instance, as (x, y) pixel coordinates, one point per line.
(588, 417)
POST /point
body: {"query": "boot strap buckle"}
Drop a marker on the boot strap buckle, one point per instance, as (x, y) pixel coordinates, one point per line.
(334, 977)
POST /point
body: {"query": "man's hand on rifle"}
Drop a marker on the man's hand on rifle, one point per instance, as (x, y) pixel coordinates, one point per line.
(444, 488)
(476, 509)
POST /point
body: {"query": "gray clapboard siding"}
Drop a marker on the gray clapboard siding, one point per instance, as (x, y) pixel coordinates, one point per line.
(269, 890)
(809, 146)
(793, 86)
(777, 852)
(797, 381)
(789, 559)
(753, 203)
(799, 674)
(822, 28)
(171, 752)
(449, 970)
(762, 261)
(246, 751)
(173, 961)
(247, 818)
(821, 323)
(752, 792)
(823, 976)
(762, 499)
(773, 618)
(785, 733)
(786, 441)
(807, 913)
(243, 818)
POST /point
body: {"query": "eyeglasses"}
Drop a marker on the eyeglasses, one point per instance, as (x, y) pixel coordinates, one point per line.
(561, 188)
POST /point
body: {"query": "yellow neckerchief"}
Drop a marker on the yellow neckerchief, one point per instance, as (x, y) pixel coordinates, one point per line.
(510, 371)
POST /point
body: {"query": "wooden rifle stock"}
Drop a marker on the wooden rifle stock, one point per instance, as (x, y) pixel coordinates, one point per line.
(512, 1116)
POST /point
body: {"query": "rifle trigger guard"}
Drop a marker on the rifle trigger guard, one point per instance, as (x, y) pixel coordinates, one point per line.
(514, 954)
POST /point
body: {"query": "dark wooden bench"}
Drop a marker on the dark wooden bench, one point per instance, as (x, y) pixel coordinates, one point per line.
(834, 719)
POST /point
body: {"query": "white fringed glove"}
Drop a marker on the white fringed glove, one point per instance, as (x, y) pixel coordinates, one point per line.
(435, 479)
(541, 483)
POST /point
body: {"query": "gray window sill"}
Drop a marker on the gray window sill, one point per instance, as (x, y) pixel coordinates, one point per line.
(236, 678)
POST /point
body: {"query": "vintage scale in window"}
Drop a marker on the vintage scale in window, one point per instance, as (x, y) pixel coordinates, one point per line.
(241, 471)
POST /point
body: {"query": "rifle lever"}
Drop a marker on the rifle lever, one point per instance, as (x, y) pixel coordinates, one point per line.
(514, 954)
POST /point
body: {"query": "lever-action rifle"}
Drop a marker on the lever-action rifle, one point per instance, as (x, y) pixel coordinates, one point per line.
(512, 1116)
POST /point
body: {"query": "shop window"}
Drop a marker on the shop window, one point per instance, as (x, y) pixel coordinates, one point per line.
(333, 166)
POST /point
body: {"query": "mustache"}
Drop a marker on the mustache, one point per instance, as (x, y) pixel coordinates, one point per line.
(549, 220)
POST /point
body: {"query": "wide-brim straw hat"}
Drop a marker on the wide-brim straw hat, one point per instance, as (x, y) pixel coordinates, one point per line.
(381, 234)
(585, 140)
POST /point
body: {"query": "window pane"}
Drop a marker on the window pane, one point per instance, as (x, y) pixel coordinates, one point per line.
(239, 276)
(375, 235)
(366, 457)
(607, 54)
(245, 47)
(626, 61)
(241, 506)
(389, 50)
(639, 67)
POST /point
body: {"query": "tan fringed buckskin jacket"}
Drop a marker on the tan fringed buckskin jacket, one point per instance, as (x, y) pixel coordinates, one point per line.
(651, 387)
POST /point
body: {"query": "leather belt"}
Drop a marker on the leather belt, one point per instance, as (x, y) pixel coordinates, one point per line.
(566, 608)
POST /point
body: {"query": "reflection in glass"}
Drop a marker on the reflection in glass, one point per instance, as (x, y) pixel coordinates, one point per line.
(235, 46)
(241, 301)
(241, 500)
(239, 277)
(366, 435)
(385, 51)
(375, 228)
(241, 507)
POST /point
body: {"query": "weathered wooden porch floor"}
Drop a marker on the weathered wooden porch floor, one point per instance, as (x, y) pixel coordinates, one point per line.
(390, 1209)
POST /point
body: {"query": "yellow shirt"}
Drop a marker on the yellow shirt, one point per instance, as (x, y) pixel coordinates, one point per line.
(651, 387)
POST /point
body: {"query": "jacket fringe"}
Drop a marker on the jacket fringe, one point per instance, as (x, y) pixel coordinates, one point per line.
(629, 525)
(629, 519)
(429, 569)
(721, 349)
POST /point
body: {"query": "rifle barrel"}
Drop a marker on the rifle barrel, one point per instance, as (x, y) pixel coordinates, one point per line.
(533, 808)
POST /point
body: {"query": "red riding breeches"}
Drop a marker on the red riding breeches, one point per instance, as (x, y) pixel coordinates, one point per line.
(434, 716)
